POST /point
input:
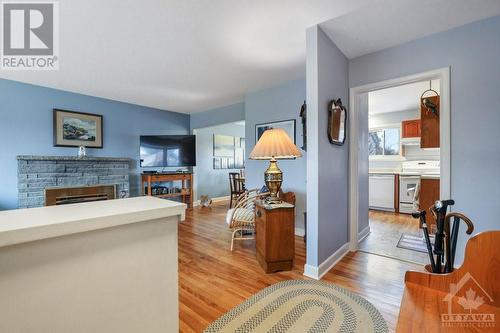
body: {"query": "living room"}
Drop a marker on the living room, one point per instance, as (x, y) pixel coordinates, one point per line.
(116, 159)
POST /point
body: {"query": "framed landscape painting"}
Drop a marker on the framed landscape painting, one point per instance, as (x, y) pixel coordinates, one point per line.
(75, 129)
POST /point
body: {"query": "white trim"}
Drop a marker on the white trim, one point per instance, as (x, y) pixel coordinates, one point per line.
(218, 199)
(318, 272)
(443, 74)
(300, 232)
(311, 271)
(363, 233)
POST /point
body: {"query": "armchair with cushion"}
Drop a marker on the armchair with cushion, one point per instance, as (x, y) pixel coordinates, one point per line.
(241, 218)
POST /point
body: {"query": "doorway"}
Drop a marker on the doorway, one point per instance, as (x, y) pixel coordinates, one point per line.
(220, 150)
(388, 163)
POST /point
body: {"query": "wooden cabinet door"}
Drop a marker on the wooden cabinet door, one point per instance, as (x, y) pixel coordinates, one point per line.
(280, 230)
(411, 128)
(429, 193)
(430, 126)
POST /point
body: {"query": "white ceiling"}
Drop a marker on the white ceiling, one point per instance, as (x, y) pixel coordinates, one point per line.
(193, 55)
(400, 98)
(387, 23)
(182, 55)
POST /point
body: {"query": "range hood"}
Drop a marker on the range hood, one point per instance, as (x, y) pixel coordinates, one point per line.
(410, 141)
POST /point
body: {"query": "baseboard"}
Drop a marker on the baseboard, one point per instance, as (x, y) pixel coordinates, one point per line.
(218, 199)
(300, 232)
(318, 272)
(363, 233)
(311, 271)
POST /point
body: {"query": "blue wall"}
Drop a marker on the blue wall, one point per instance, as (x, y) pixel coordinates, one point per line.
(26, 128)
(278, 103)
(222, 115)
(327, 165)
(210, 181)
(473, 54)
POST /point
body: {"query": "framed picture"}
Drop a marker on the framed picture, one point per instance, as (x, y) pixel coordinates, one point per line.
(217, 163)
(229, 152)
(239, 153)
(287, 125)
(75, 129)
(223, 145)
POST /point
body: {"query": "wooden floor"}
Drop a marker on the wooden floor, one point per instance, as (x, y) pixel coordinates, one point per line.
(386, 229)
(213, 279)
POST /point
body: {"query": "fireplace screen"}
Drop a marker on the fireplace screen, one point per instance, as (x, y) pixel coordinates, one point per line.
(68, 195)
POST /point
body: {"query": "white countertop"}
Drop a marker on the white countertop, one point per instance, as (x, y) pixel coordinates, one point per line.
(25, 225)
(430, 176)
(404, 173)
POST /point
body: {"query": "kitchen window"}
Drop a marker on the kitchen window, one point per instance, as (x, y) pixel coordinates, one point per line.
(384, 142)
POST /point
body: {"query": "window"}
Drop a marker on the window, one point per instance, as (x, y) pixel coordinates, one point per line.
(384, 142)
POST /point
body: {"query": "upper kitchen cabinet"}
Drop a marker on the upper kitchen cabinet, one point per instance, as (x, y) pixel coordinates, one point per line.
(410, 129)
(429, 116)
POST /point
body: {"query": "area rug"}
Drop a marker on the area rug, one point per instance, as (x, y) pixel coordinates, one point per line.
(414, 242)
(302, 306)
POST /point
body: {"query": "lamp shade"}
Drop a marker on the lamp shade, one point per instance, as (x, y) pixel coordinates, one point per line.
(274, 143)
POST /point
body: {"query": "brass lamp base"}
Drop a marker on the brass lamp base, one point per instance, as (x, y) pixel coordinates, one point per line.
(273, 178)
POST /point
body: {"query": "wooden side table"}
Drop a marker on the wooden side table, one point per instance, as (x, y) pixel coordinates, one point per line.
(275, 236)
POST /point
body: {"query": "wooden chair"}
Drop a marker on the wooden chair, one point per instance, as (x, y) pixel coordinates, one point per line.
(236, 185)
(241, 218)
(430, 300)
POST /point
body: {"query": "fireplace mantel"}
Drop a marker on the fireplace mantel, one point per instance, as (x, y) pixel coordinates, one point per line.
(71, 158)
(36, 173)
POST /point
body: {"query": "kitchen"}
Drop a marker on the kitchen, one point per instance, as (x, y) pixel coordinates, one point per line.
(404, 167)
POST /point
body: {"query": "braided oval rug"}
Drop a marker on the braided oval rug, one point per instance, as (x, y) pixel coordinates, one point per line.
(302, 306)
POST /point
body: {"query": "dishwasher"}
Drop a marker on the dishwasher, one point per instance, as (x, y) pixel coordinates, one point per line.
(381, 192)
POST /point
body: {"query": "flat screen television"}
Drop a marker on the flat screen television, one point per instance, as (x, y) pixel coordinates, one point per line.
(168, 150)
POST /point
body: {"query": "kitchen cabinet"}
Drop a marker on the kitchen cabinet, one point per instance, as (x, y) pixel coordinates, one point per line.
(429, 137)
(410, 129)
(382, 192)
(429, 193)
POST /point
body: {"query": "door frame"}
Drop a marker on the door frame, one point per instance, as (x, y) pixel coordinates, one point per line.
(443, 74)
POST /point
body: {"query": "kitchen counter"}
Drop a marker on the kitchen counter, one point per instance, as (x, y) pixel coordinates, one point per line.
(430, 176)
(104, 266)
(384, 172)
(402, 173)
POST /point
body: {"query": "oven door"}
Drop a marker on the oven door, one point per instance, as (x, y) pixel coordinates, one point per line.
(407, 186)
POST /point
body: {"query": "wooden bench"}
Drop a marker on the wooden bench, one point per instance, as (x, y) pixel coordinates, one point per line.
(429, 306)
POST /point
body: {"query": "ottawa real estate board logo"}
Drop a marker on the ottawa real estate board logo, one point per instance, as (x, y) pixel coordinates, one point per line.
(469, 305)
(30, 35)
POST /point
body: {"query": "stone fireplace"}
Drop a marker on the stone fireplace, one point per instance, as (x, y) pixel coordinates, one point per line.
(36, 174)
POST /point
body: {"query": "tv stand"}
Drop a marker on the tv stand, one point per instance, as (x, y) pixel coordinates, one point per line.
(185, 192)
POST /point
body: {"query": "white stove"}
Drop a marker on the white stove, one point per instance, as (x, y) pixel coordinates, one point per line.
(409, 181)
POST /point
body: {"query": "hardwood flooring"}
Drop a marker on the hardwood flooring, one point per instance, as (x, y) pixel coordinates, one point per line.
(386, 229)
(213, 279)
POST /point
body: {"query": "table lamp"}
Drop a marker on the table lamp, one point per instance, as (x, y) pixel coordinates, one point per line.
(274, 144)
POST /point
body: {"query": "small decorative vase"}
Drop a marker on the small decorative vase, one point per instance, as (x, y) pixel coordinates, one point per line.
(82, 152)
